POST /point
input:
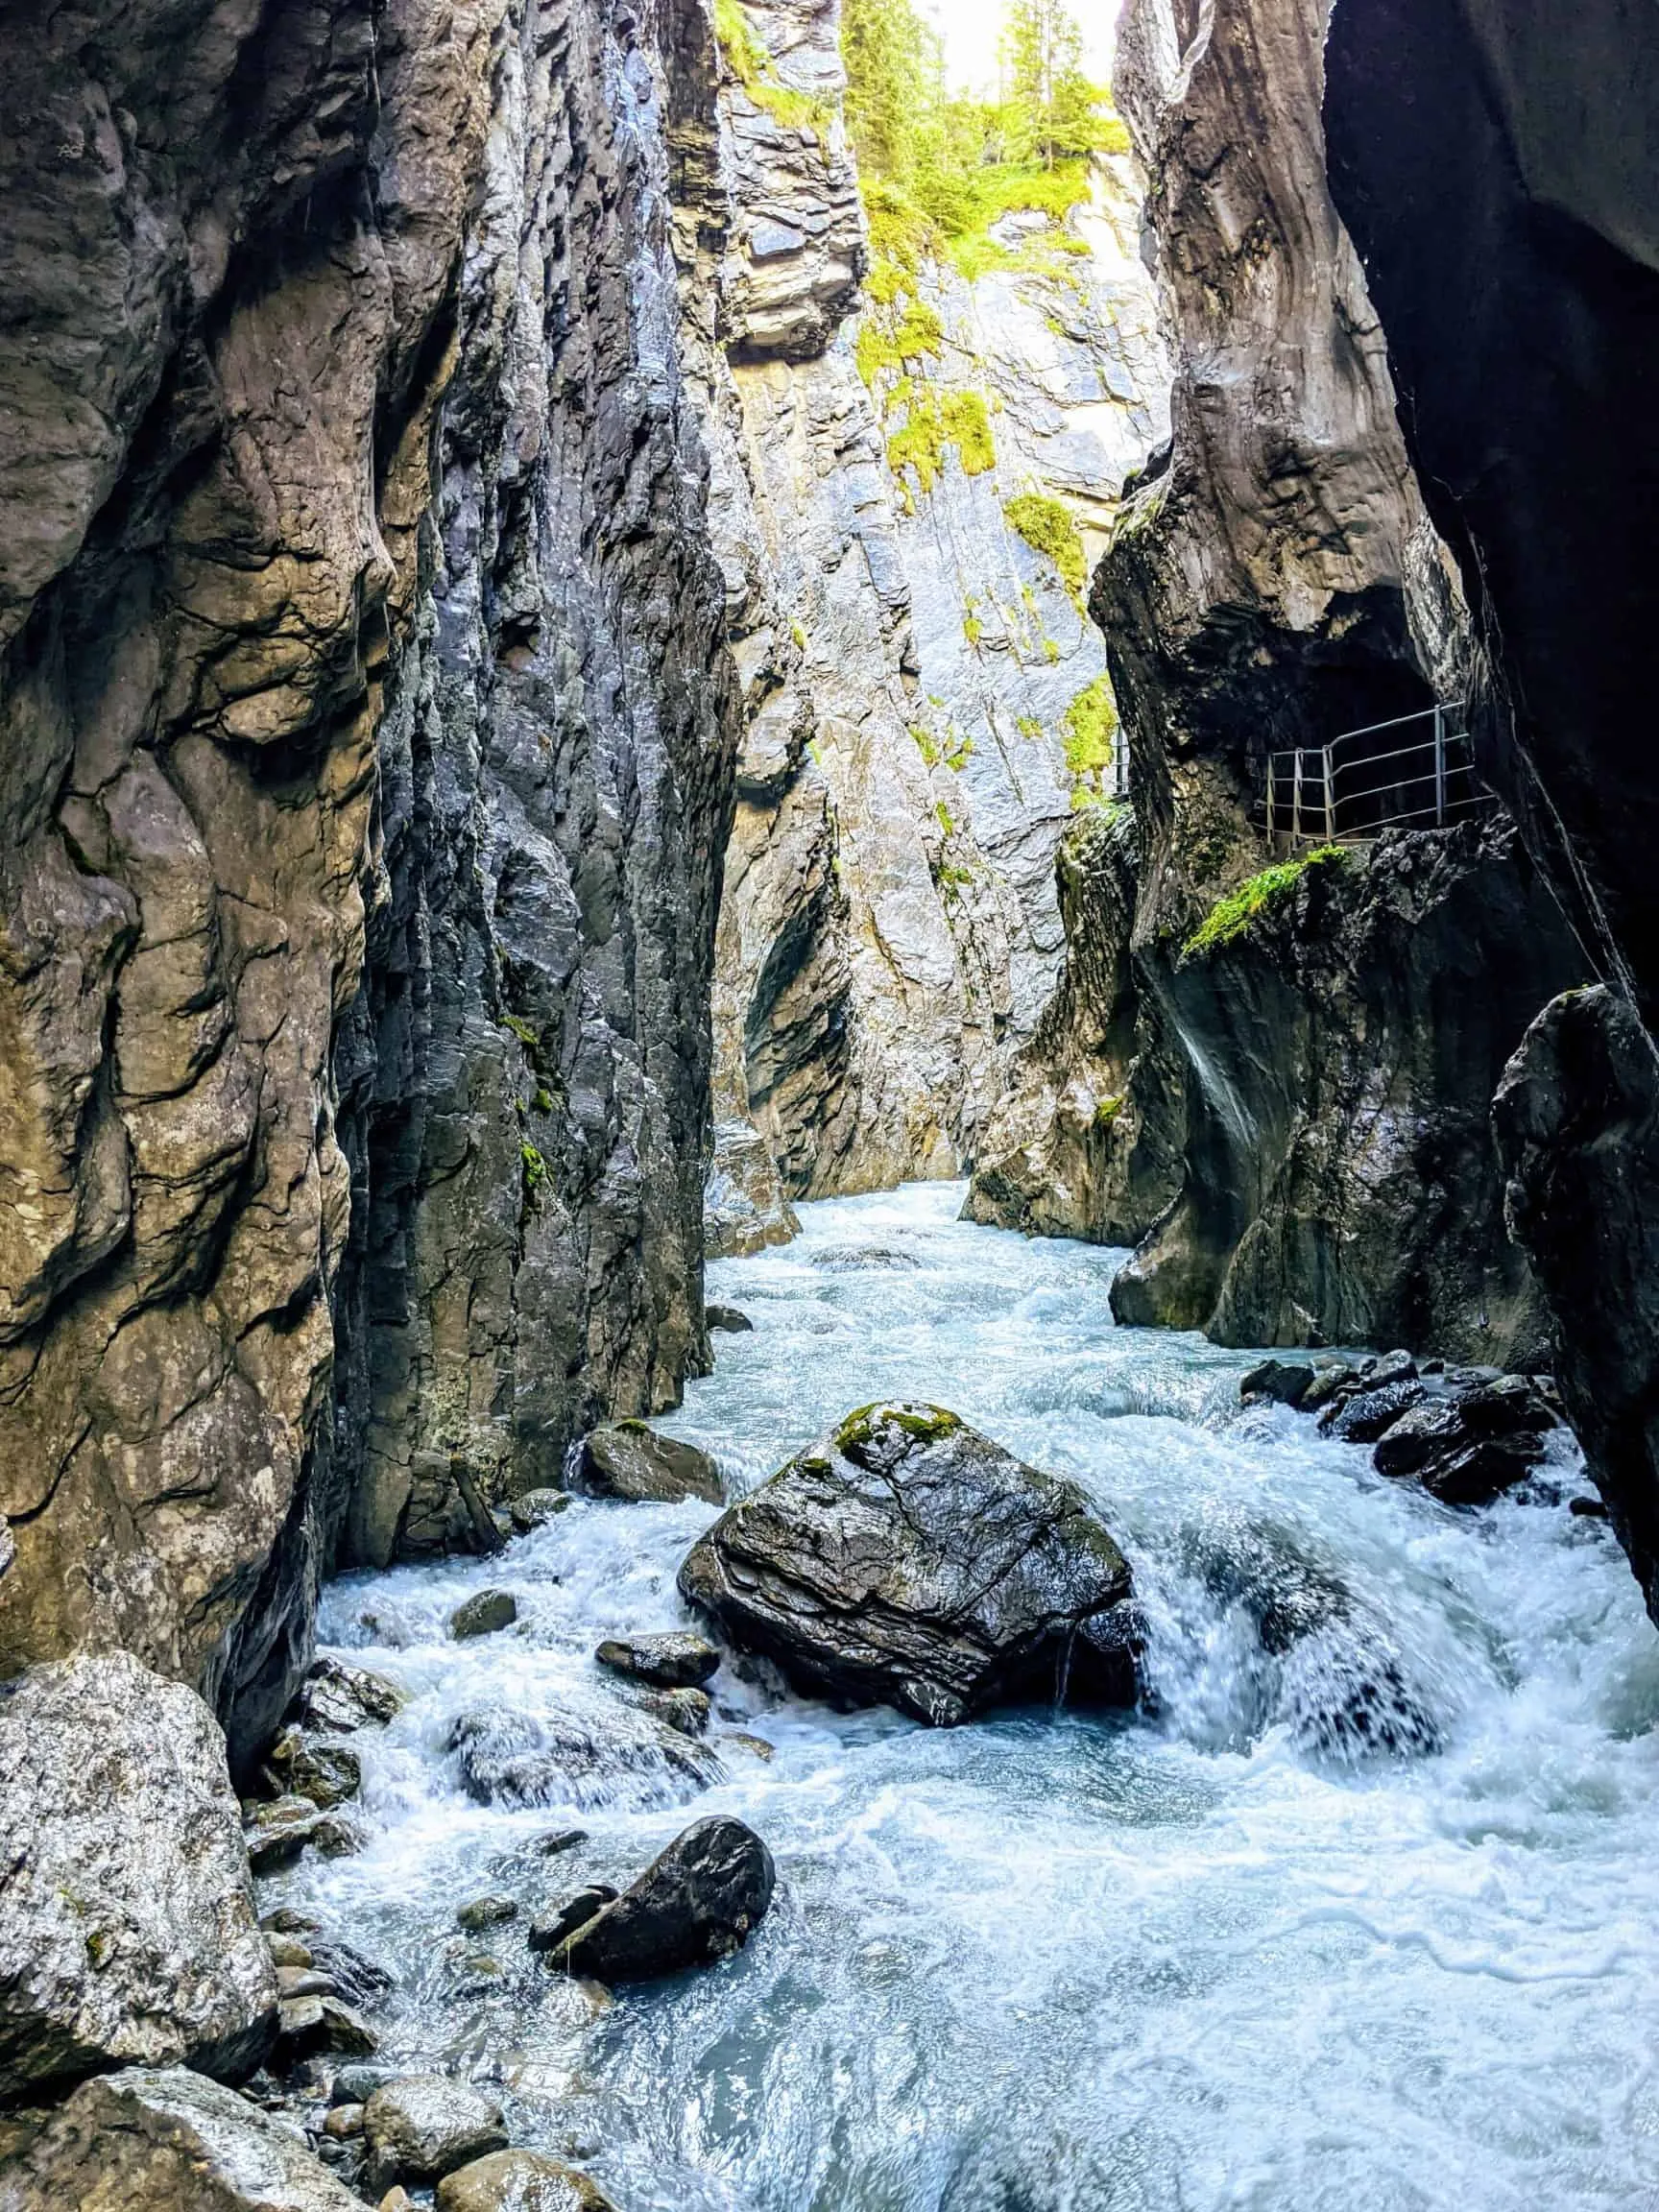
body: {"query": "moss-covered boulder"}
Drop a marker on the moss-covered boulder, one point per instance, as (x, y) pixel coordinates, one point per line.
(907, 1560)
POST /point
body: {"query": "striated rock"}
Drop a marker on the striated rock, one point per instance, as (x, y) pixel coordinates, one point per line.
(358, 1979)
(484, 1613)
(520, 2181)
(368, 780)
(907, 1560)
(1081, 1147)
(607, 1755)
(675, 1661)
(319, 2022)
(744, 1209)
(632, 1462)
(126, 1924)
(1318, 1073)
(698, 1900)
(888, 928)
(421, 2127)
(341, 1699)
(170, 2142)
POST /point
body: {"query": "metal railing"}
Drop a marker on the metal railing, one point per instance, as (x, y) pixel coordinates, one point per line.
(1348, 791)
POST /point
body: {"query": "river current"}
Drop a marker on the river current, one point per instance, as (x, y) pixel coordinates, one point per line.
(1364, 1919)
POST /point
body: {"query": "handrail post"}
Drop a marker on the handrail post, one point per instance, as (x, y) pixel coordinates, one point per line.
(1330, 803)
(1272, 826)
(1439, 767)
(1296, 799)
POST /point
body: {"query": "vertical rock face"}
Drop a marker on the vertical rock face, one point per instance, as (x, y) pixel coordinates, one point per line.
(1497, 168)
(363, 697)
(890, 932)
(1275, 580)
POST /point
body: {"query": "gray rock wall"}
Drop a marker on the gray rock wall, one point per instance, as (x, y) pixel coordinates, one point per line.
(890, 931)
(367, 770)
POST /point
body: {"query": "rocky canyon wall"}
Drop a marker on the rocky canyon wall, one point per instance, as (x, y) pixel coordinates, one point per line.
(1499, 168)
(367, 747)
(1290, 1113)
(890, 931)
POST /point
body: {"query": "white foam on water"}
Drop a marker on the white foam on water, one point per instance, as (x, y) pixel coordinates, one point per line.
(1217, 1958)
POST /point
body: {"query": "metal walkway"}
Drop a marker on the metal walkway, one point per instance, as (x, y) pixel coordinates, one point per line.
(1348, 792)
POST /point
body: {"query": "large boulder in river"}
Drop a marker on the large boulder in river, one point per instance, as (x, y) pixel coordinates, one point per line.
(698, 1900)
(632, 1462)
(168, 2141)
(128, 1933)
(907, 1560)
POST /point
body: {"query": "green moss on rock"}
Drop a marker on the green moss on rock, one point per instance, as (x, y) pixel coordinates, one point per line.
(1049, 528)
(1232, 916)
(922, 1423)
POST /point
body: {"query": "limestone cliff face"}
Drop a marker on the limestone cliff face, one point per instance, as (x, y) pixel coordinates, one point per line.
(1499, 169)
(890, 930)
(1275, 580)
(366, 773)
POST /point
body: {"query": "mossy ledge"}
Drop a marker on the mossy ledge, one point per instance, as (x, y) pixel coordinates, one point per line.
(1232, 917)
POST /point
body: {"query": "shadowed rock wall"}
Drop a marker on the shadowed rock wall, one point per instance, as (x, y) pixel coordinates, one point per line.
(1498, 167)
(1320, 1080)
(365, 777)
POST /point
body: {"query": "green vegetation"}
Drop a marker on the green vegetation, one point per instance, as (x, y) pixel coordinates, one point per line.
(1108, 1110)
(1048, 527)
(1232, 916)
(1029, 726)
(973, 628)
(933, 421)
(524, 1031)
(747, 58)
(925, 1424)
(535, 1171)
(1091, 726)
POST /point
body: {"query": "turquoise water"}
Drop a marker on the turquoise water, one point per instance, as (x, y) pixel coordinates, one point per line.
(1211, 1956)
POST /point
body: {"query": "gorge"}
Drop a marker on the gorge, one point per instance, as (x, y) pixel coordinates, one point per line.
(642, 656)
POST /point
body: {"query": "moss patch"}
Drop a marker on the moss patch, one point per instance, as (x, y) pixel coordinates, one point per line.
(1089, 724)
(1049, 528)
(746, 55)
(1231, 917)
(922, 1423)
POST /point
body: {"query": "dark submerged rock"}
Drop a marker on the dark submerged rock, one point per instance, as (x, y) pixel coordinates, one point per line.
(486, 1913)
(1362, 1418)
(1284, 1382)
(630, 1461)
(730, 1319)
(484, 1613)
(675, 1661)
(907, 1560)
(700, 1900)
(327, 1773)
(548, 1930)
(278, 1832)
(126, 1924)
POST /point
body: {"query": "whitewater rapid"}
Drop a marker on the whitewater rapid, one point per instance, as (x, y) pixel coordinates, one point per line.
(1219, 1955)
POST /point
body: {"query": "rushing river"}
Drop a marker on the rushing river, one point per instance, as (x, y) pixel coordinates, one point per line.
(1212, 1956)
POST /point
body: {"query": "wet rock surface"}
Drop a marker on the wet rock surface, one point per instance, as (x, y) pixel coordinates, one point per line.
(362, 824)
(632, 1462)
(126, 1924)
(908, 1560)
(697, 1902)
(421, 2127)
(484, 1613)
(520, 2181)
(668, 1662)
(584, 1757)
(170, 2142)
